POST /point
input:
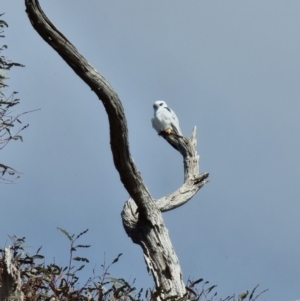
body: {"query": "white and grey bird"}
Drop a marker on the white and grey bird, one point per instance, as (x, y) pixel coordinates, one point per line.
(165, 120)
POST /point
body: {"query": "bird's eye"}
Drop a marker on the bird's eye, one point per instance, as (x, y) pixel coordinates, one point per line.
(161, 104)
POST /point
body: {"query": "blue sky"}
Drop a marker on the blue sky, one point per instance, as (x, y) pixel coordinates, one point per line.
(232, 68)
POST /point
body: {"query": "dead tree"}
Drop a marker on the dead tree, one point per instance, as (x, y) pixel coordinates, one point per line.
(10, 279)
(142, 215)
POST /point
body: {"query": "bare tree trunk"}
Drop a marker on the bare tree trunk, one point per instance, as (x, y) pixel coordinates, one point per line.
(10, 288)
(159, 254)
(141, 215)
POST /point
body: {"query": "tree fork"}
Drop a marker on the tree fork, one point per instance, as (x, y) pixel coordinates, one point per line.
(142, 218)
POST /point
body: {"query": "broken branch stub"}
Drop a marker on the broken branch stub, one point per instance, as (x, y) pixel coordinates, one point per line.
(156, 250)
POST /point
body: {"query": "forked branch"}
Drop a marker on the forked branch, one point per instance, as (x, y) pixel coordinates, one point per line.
(193, 181)
(142, 216)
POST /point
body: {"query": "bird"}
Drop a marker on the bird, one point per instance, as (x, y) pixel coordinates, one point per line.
(165, 120)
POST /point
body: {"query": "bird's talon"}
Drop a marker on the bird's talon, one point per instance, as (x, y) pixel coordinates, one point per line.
(168, 131)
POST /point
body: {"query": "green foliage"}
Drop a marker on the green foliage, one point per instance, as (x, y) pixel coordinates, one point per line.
(206, 292)
(45, 282)
(8, 118)
(41, 281)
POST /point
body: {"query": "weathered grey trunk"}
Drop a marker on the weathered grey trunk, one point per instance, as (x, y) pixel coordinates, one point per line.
(10, 288)
(141, 215)
(159, 254)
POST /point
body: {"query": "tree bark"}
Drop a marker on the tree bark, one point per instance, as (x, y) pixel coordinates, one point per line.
(141, 215)
(159, 254)
(10, 288)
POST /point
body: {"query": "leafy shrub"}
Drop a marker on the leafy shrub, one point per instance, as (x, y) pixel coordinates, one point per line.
(51, 282)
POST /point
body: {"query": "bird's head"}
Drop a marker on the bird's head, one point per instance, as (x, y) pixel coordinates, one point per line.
(159, 104)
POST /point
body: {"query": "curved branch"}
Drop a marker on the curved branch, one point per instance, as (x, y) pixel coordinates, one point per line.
(193, 181)
(141, 215)
(129, 174)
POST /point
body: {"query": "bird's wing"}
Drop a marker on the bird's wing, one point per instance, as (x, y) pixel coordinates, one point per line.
(174, 122)
(155, 124)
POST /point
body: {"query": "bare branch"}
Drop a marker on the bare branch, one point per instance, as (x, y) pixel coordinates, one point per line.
(142, 217)
(193, 181)
(129, 174)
